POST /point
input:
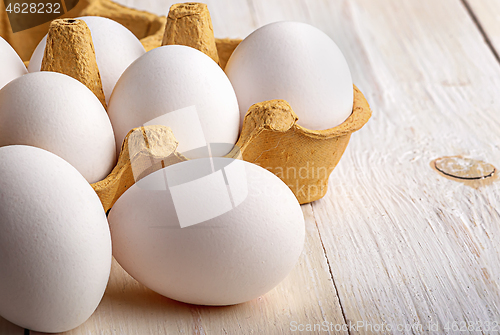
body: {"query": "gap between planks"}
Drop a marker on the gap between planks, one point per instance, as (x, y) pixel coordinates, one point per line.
(479, 26)
(329, 268)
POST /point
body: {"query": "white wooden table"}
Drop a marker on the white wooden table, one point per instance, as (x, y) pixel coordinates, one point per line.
(394, 247)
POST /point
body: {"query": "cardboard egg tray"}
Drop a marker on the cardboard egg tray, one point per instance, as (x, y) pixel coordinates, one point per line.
(270, 137)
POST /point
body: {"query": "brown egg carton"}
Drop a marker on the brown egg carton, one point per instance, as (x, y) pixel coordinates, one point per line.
(270, 137)
(144, 25)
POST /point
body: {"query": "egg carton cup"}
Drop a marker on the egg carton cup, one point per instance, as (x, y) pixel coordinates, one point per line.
(270, 136)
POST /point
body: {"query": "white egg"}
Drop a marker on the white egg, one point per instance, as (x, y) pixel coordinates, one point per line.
(11, 65)
(182, 88)
(206, 238)
(55, 244)
(298, 63)
(115, 47)
(57, 113)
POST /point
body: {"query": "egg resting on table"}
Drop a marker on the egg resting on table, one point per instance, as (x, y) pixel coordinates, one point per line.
(55, 244)
(208, 237)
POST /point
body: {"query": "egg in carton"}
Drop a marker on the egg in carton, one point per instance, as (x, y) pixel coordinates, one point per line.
(270, 136)
(143, 24)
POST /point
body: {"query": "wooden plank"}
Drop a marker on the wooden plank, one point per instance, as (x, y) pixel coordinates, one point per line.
(7, 328)
(305, 296)
(487, 14)
(407, 246)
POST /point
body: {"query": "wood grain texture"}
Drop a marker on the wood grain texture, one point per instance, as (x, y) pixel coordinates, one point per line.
(307, 294)
(407, 246)
(7, 328)
(487, 16)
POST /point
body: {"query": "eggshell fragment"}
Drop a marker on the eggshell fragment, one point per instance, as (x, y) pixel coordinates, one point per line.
(181, 88)
(57, 113)
(115, 46)
(11, 65)
(298, 63)
(55, 244)
(209, 238)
